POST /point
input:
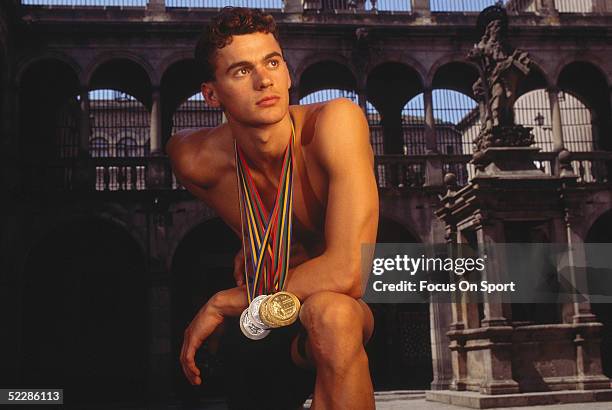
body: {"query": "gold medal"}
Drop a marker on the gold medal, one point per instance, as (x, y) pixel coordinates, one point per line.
(279, 309)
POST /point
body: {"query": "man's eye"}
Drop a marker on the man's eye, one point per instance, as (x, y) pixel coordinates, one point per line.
(274, 63)
(242, 71)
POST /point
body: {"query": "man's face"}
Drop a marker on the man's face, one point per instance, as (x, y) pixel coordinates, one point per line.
(251, 80)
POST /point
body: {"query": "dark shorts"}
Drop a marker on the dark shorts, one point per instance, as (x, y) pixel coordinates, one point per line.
(259, 374)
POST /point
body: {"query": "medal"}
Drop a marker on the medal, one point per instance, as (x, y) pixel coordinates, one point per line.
(279, 309)
(266, 239)
(253, 311)
(249, 329)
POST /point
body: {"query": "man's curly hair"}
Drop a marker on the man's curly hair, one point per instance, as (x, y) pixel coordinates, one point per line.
(229, 22)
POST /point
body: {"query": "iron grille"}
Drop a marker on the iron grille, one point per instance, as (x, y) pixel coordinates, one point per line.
(119, 128)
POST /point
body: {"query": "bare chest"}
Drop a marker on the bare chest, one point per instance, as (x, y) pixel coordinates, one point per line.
(309, 200)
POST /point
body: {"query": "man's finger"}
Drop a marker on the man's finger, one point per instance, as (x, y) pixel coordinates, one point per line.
(190, 345)
(190, 358)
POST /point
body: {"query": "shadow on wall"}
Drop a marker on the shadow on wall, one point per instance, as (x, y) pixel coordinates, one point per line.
(84, 322)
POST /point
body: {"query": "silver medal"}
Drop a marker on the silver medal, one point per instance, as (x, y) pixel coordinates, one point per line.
(249, 329)
(253, 311)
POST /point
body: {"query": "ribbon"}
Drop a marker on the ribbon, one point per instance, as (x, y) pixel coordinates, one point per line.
(266, 237)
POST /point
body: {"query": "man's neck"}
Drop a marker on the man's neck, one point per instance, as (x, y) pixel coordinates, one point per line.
(264, 147)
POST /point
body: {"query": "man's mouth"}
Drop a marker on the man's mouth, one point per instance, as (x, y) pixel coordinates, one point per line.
(268, 101)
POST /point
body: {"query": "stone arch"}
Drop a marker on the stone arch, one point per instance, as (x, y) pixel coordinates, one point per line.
(588, 83)
(25, 64)
(152, 75)
(389, 87)
(537, 78)
(40, 109)
(400, 348)
(122, 74)
(173, 59)
(201, 265)
(315, 58)
(439, 71)
(326, 74)
(85, 290)
(180, 80)
(584, 57)
(601, 232)
(399, 231)
(402, 58)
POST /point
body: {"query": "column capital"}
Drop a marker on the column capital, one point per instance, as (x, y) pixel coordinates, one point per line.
(421, 6)
(156, 5)
(294, 6)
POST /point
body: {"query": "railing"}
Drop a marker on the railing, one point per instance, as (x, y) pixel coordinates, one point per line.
(451, 6)
(398, 171)
(218, 4)
(402, 172)
(86, 3)
(392, 171)
(592, 167)
(461, 5)
(120, 174)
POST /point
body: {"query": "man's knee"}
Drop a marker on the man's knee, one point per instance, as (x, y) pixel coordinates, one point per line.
(334, 323)
(331, 311)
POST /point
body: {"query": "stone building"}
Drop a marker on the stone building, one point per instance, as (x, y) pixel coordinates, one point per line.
(105, 259)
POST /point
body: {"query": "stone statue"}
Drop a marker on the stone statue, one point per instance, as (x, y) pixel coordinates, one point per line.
(496, 90)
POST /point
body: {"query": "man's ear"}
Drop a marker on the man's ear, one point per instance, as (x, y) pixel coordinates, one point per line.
(210, 95)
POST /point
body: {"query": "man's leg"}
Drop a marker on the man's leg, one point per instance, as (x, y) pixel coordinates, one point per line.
(337, 327)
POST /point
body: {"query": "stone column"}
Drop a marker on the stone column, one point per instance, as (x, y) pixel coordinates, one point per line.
(158, 169)
(576, 264)
(293, 6)
(156, 6)
(84, 125)
(393, 141)
(557, 125)
(440, 316)
(490, 232)
(84, 171)
(433, 165)
(601, 6)
(155, 141)
(548, 9)
(587, 336)
(161, 359)
(421, 7)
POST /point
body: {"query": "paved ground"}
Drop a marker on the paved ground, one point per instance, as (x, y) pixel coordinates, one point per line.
(396, 400)
(415, 400)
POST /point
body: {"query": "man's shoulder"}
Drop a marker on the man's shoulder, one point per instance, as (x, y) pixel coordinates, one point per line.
(324, 122)
(332, 121)
(342, 107)
(195, 153)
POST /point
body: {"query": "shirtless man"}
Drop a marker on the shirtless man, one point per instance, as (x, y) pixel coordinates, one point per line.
(335, 201)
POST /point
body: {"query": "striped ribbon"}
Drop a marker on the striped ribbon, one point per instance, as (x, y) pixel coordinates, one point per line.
(266, 237)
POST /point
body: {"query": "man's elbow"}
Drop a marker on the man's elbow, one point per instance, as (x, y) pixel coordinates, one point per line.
(352, 284)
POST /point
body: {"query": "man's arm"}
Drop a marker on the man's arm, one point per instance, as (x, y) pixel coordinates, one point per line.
(344, 151)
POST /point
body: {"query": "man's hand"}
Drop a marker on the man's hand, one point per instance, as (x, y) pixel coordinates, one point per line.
(230, 302)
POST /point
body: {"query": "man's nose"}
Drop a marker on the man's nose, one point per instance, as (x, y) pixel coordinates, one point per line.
(264, 80)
